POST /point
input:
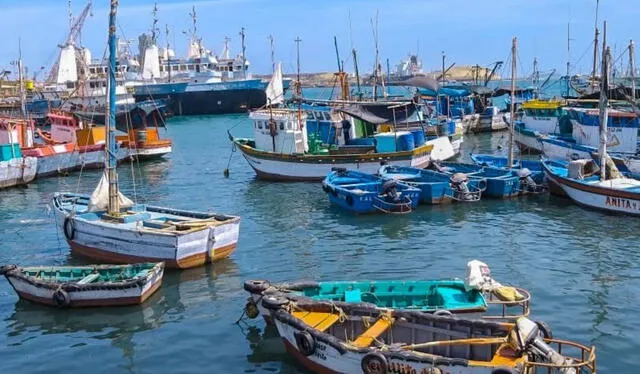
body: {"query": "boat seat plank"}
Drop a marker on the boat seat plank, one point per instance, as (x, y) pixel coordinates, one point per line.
(373, 332)
(89, 278)
(319, 321)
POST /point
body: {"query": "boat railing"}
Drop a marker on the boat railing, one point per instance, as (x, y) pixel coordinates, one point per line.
(581, 358)
(507, 306)
(472, 195)
(403, 207)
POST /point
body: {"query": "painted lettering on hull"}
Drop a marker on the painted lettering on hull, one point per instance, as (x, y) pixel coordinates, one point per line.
(622, 203)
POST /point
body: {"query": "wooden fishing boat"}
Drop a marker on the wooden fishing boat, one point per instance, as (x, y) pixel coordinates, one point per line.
(336, 337)
(109, 227)
(435, 187)
(600, 186)
(535, 166)
(478, 296)
(85, 286)
(16, 169)
(360, 193)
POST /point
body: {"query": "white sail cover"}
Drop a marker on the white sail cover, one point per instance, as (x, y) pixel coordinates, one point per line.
(100, 196)
(151, 68)
(275, 90)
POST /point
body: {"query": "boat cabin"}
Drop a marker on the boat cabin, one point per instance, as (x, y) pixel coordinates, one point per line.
(67, 128)
(622, 136)
(280, 131)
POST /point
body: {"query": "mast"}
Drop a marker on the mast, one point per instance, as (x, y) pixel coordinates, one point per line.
(244, 59)
(536, 76)
(595, 48)
(110, 148)
(632, 67)
(154, 27)
(335, 44)
(604, 102)
(273, 54)
(298, 86)
(443, 71)
(376, 67)
(514, 48)
(166, 30)
(23, 99)
(355, 66)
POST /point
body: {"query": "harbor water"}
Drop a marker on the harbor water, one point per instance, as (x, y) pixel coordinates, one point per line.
(581, 266)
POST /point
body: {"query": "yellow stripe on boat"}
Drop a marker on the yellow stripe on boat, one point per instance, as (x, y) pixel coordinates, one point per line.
(505, 356)
(542, 104)
(373, 332)
(319, 321)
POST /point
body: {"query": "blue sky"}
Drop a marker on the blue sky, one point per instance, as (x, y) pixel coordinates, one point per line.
(469, 31)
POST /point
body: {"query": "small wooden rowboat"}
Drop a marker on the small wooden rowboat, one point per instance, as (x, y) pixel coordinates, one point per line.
(479, 296)
(334, 337)
(84, 286)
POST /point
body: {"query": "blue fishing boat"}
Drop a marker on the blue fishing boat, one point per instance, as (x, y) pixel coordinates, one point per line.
(498, 183)
(435, 187)
(359, 192)
(530, 172)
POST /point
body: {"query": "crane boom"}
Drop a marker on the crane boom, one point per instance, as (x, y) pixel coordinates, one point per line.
(496, 66)
(72, 38)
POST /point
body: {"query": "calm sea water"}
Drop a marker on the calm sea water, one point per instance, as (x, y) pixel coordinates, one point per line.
(581, 266)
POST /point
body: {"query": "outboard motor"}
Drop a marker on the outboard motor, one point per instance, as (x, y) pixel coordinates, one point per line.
(459, 184)
(526, 337)
(527, 183)
(389, 190)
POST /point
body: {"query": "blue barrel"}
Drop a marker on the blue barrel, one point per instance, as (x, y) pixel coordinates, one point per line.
(405, 141)
(418, 137)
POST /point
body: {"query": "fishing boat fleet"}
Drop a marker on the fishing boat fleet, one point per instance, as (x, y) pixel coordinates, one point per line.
(385, 155)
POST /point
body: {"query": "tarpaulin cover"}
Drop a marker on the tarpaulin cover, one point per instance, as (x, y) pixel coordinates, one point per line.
(378, 113)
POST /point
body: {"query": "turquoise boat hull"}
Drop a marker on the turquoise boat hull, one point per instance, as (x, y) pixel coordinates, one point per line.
(427, 296)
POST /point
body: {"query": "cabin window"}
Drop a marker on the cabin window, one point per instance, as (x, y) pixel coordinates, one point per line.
(161, 68)
(327, 116)
(183, 68)
(71, 85)
(281, 125)
(192, 68)
(92, 70)
(259, 124)
(212, 66)
(289, 126)
(310, 115)
(174, 68)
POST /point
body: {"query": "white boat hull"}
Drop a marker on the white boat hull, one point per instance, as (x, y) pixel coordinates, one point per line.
(63, 162)
(87, 298)
(151, 152)
(118, 243)
(527, 143)
(17, 171)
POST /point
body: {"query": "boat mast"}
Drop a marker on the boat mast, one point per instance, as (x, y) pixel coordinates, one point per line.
(298, 84)
(604, 102)
(23, 99)
(595, 48)
(154, 27)
(443, 70)
(514, 48)
(632, 67)
(273, 54)
(111, 160)
(536, 77)
(244, 59)
(166, 31)
(355, 66)
(376, 68)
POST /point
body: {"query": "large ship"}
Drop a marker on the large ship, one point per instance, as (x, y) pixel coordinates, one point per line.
(203, 83)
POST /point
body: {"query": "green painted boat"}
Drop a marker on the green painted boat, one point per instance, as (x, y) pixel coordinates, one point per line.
(479, 294)
(81, 286)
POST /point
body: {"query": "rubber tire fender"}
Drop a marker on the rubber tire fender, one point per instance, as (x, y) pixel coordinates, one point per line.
(69, 229)
(274, 302)
(326, 188)
(305, 342)
(61, 298)
(256, 286)
(374, 363)
(443, 312)
(482, 184)
(251, 309)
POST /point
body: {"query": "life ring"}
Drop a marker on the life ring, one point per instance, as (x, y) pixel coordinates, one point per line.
(349, 199)
(256, 286)
(504, 370)
(251, 309)
(60, 298)
(305, 342)
(274, 302)
(69, 229)
(442, 312)
(545, 330)
(374, 363)
(325, 188)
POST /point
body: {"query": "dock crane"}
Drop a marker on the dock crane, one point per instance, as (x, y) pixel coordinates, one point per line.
(73, 38)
